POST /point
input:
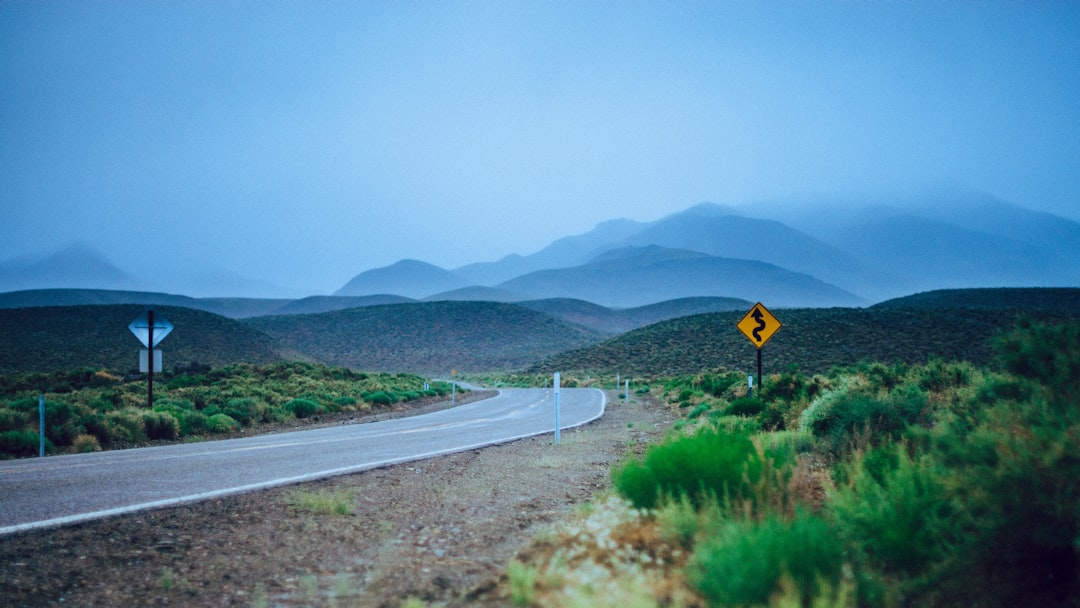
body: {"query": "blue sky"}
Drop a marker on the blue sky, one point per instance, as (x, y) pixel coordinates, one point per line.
(303, 142)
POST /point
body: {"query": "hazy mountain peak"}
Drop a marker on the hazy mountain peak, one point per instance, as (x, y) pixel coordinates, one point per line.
(408, 277)
(76, 265)
(708, 209)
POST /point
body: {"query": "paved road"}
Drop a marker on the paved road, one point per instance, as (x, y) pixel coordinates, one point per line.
(44, 492)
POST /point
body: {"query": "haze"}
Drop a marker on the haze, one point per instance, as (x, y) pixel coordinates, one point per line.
(299, 143)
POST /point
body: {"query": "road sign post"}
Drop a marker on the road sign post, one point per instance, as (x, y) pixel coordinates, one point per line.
(150, 331)
(758, 325)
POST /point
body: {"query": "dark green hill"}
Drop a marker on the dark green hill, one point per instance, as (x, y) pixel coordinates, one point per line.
(427, 337)
(613, 321)
(42, 339)
(317, 304)
(1049, 299)
(813, 339)
(234, 308)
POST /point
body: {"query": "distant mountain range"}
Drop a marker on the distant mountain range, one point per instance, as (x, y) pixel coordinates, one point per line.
(820, 255)
(805, 255)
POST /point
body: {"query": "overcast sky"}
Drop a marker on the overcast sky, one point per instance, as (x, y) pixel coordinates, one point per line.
(303, 142)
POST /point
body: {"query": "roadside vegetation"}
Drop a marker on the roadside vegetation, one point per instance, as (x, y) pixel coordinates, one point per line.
(87, 410)
(934, 484)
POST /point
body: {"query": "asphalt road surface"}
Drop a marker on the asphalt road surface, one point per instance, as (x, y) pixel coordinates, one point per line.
(58, 490)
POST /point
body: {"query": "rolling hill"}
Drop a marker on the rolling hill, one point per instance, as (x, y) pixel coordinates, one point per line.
(942, 325)
(97, 337)
(427, 337)
(235, 308)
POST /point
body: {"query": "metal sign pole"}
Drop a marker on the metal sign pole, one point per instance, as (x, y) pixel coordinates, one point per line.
(759, 369)
(150, 359)
(41, 426)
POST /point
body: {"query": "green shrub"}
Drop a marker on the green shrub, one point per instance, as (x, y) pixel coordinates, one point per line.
(222, 423)
(716, 383)
(896, 512)
(303, 408)
(193, 422)
(160, 425)
(86, 443)
(745, 406)
(63, 422)
(244, 410)
(127, 424)
(20, 444)
(710, 463)
(11, 420)
(745, 562)
(845, 417)
(379, 398)
(345, 402)
(698, 410)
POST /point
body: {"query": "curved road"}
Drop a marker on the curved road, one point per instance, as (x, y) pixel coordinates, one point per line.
(59, 490)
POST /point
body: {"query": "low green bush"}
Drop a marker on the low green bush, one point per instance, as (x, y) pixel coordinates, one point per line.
(303, 408)
(745, 562)
(710, 463)
(20, 444)
(160, 425)
(379, 398)
(127, 424)
(86, 443)
(222, 423)
(244, 410)
(896, 512)
(12, 420)
(745, 406)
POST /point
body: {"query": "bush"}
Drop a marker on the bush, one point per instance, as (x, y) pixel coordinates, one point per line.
(303, 408)
(63, 422)
(11, 420)
(710, 463)
(244, 410)
(746, 562)
(127, 424)
(86, 443)
(222, 423)
(160, 425)
(379, 398)
(896, 512)
(745, 406)
(20, 444)
(846, 417)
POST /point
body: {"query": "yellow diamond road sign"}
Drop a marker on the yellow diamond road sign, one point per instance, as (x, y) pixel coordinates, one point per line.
(759, 325)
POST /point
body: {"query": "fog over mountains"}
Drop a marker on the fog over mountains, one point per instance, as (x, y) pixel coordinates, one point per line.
(807, 255)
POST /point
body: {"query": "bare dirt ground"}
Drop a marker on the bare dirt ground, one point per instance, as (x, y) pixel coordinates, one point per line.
(440, 530)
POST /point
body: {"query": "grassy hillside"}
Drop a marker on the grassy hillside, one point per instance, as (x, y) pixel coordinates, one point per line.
(234, 308)
(429, 337)
(43, 339)
(613, 321)
(1049, 299)
(813, 339)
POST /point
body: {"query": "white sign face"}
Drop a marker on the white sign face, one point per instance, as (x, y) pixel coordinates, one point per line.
(141, 328)
(557, 382)
(144, 361)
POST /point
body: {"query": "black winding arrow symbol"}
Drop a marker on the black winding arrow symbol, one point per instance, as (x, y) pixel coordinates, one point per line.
(757, 316)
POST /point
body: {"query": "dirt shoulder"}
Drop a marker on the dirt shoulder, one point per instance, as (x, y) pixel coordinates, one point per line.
(440, 530)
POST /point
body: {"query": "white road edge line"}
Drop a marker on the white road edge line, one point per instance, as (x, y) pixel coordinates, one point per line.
(274, 483)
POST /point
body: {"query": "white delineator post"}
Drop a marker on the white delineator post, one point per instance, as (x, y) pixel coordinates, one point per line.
(555, 383)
